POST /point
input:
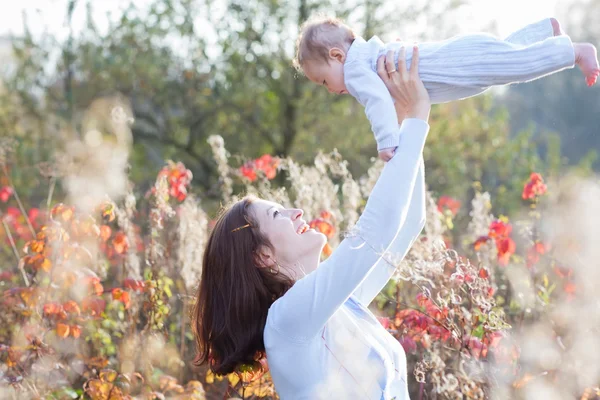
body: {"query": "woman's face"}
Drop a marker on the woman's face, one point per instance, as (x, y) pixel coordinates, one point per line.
(296, 247)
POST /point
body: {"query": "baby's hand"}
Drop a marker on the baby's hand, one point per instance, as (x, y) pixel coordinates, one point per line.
(387, 153)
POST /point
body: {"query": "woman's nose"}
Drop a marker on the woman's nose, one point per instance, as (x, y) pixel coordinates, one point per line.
(297, 213)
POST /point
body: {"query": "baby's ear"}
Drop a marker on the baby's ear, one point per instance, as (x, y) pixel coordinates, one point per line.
(337, 54)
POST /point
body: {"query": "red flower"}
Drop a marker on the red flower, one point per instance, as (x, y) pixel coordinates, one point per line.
(506, 247)
(248, 171)
(178, 178)
(533, 254)
(449, 203)
(499, 228)
(265, 163)
(535, 187)
(5, 193)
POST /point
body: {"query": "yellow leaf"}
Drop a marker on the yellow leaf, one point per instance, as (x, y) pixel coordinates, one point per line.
(233, 378)
(210, 377)
(108, 375)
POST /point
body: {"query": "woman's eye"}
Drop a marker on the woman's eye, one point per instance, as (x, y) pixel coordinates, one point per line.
(275, 214)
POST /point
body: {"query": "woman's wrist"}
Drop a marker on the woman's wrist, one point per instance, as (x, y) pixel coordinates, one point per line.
(419, 110)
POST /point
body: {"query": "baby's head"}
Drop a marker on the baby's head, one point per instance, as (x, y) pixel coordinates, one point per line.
(321, 52)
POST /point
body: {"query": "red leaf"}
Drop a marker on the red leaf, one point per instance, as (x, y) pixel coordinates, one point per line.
(120, 243)
(105, 232)
(480, 242)
(5, 193)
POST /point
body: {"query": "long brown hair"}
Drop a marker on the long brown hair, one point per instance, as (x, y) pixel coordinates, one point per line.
(235, 292)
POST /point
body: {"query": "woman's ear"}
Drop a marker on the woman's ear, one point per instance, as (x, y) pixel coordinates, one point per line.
(264, 258)
(337, 54)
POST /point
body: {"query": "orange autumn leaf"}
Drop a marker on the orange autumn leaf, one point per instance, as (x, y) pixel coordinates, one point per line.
(71, 307)
(35, 246)
(326, 215)
(94, 284)
(120, 243)
(322, 226)
(28, 295)
(119, 294)
(62, 212)
(37, 262)
(94, 306)
(105, 232)
(52, 308)
(62, 330)
(327, 250)
(523, 381)
(75, 331)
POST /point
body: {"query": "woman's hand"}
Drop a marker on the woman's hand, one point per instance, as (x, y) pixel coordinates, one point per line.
(406, 88)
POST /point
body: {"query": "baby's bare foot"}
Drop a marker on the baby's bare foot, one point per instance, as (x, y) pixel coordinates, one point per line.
(586, 59)
(556, 27)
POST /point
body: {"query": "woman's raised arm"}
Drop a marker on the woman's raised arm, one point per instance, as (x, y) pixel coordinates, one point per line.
(303, 311)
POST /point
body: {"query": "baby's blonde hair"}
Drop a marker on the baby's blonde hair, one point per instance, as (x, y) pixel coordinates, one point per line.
(317, 36)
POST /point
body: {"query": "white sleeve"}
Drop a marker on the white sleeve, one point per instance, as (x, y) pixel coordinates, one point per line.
(302, 312)
(367, 87)
(415, 221)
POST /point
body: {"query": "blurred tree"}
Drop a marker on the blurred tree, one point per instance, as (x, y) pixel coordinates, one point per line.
(189, 69)
(562, 103)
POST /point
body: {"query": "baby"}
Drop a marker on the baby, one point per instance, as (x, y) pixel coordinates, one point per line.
(329, 53)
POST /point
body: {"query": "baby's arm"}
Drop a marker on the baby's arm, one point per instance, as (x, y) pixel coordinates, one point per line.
(365, 85)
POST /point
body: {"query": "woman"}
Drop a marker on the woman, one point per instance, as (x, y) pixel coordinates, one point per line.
(261, 289)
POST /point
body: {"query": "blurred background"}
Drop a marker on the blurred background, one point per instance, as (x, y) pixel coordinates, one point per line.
(187, 69)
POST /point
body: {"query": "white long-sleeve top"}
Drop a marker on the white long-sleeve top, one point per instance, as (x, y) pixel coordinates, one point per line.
(453, 69)
(321, 340)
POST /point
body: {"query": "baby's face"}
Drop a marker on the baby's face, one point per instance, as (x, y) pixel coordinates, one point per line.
(330, 75)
